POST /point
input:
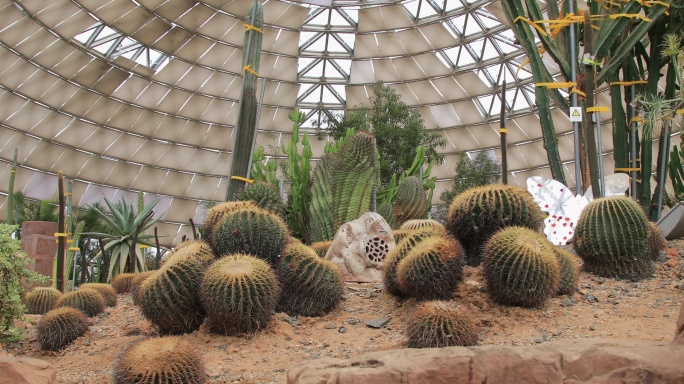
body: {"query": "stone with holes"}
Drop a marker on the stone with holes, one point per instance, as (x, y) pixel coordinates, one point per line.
(360, 246)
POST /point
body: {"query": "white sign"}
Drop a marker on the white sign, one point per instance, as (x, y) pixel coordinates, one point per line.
(575, 114)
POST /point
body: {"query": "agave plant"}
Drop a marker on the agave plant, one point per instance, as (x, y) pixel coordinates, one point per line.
(127, 230)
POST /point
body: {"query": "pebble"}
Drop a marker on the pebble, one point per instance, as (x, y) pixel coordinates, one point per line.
(342, 330)
(330, 326)
(539, 340)
(378, 323)
(556, 333)
(315, 355)
(592, 328)
(566, 303)
(86, 342)
(222, 347)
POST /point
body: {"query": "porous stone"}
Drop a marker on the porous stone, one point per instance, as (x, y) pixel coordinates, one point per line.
(360, 246)
(596, 361)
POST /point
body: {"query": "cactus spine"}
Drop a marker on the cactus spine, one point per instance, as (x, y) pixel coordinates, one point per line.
(427, 225)
(40, 300)
(410, 201)
(59, 327)
(123, 282)
(264, 195)
(320, 212)
(520, 267)
(86, 300)
(246, 125)
(569, 271)
(436, 324)
(612, 237)
(160, 360)
(108, 293)
(395, 256)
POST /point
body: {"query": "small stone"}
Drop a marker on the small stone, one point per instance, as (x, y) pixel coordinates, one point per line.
(86, 342)
(591, 298)
(294, 322)
(315, 355)
(378, 323)
(305, 342)
(556, 333)
(566, 303)
(601, 280)
(296, 331)
(330, 326)
(596, 315)
(592, 328)
(265, 359)
(342, 330)
(222, 347)
(539, 340)
(353, 321)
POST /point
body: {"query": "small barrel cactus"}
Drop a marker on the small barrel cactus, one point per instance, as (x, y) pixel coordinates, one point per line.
(40, 300)
(436, 324)
(569, 271)
(395, 256)
(321, 247)
(263, 194)
(400, 234)
(476, 214)
(169, 360)
(239, 293)
(215, 214)
(106, 290)
(612, 237)
(170, 297)
(425, 225)
(86, 300)
(122, 282)
(253, 231)
(136, 283)
(656, 241)
(432, 269)
(520, 267)
(59, 327)
(311, 286)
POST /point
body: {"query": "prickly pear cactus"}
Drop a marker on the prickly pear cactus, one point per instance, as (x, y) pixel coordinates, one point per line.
(612, 237)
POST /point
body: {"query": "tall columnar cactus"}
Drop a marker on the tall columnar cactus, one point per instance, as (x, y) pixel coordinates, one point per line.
(311, 286)
(59, 327)
(250, 230)
(410, 201)
(239, 293)
(246, 125)
(520, 267)
(612, 237)
(386, 210)
(40, 300)
(320, 206)
(432, 270)
(299, 168)
(160, 360)
(353, 179)
(476, 214)
(437, 324)
(170, 297)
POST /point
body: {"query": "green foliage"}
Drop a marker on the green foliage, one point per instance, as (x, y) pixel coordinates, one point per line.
(31, 210)
(263, 194)
(169, 298)
(250, 230)
(396, 255)
(40, 300)
(126, 232)
(432, 269)
(108, 293)
(171, 360)
(263, 169)
(476, 214)
(437, 324)
(86, 300)
(298, 172)
(569, 271)
(311, 286)
(245, 130)
(520, 267)
(59, 327)
(386, 210)
(13, 262)
(239, 293)
(612, 237)
(472, 173)
(215, 215)
(676, 170)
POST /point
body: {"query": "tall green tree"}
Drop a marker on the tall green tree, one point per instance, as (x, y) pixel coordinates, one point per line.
(483, 170)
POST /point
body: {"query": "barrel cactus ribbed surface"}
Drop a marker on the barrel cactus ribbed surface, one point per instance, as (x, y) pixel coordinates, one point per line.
(395, 256)
(437, 324)
(320, 206)
(386, 210)
(410, 201)
(476, 214)
(250, 230)
(106, 290)
(59, 327)
(40, 300)
(612, 237)
(137, 281)
(520, 267)
(86, 300)
(425, 225)
(321, 247)
(215, 215)
(239, 293)
(122, 282)
(311, 286)
(170, 297)
(432, 269)
(263, 194)
(569, 271)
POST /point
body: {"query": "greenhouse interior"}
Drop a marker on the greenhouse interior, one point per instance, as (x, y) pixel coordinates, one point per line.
(306, 191)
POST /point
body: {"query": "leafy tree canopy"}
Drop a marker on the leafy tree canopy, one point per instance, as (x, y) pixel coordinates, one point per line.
(472, 173)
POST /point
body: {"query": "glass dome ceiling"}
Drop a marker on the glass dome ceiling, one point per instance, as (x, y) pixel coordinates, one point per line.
(128, 95)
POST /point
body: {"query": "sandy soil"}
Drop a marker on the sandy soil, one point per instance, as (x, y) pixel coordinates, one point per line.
(602, 308)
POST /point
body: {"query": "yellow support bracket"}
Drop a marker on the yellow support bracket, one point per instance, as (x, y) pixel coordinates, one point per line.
(503, 130)
(625, 83)
(249, 69)
(598, 109)
(246, 180)
(556, 85)
(627, 169)
(250, 27)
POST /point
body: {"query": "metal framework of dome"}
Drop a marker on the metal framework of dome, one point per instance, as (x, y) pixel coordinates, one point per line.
(142, 95)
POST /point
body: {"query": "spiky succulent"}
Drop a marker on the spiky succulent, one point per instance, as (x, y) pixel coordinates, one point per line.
(396, 255)
(425, 225)
(321, 247)
(86, 300)
(656, 240)
(239, 293)
(253, 231)
(311, 286)
(136, 283)
(612, 237)
(215, 214)
(569, 271)
(59, 327)
(122, 282)
(520, 267)
(170, 297)
(476, 214)
(432, 269)
(263, 194)
(40, 300)
(410, 201)
(169, 360)
(437, 324)
(106, 290)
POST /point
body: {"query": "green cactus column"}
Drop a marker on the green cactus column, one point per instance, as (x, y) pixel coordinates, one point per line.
(246, 124)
